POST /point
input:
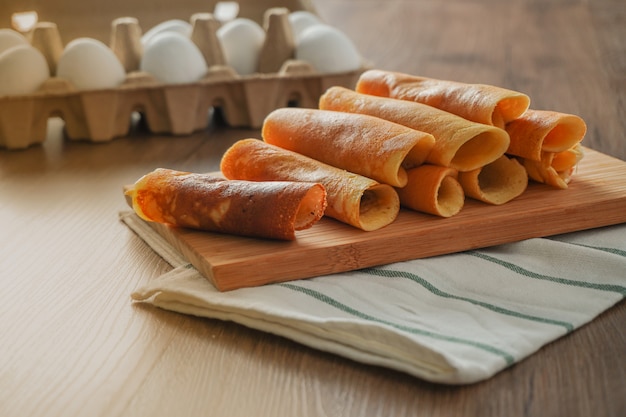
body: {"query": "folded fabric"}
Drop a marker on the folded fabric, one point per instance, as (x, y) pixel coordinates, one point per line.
(453, 319)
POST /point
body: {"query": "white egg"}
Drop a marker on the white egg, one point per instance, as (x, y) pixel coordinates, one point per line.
(174, 25)
(88, 64)
(226, 10)
(301, 20)
(242, 40)
(24, 69)
(173, 58)
(328, 50)
(10, 38)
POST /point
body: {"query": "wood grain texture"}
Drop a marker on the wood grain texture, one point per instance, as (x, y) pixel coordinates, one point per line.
(595, 198)
(566, 55)
(73, 344)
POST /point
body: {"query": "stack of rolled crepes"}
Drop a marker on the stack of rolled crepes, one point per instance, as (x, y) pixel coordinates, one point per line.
(396, 140)
(434, 141)
(546, 143)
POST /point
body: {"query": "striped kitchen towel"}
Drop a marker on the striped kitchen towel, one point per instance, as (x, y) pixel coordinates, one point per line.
(453, 319)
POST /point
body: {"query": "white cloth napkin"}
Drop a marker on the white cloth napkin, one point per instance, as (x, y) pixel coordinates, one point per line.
(453, 319)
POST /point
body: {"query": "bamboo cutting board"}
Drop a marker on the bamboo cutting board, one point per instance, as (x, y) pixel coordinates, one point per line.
(596, 197)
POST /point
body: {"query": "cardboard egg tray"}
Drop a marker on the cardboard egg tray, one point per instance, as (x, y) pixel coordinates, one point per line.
(174, 109)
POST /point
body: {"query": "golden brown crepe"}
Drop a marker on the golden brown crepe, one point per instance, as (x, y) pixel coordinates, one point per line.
(270, 209)
(358, 143)
(554, 169)
(496, 183)
(480, 103)
(433, 189)
(459, 143)
(538, 131)
(353, 199)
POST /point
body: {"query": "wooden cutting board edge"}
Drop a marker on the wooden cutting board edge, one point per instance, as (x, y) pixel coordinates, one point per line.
(596, 198)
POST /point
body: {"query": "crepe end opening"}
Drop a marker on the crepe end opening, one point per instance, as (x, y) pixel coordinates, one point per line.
(312, 207)
(450, 197)
(509, 108)
(565, 135)
(379, 206)
(481, 150)
(501, 181)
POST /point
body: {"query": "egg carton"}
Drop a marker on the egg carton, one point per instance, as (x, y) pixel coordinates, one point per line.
(174, 109)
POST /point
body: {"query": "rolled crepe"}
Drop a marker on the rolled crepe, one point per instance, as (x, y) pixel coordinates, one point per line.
(270, 209)
(353, 199)
(496, 183)
(538, 131)
(480, 103)
(459, 143)
(554, 169)
(433, 189)
(358, 143)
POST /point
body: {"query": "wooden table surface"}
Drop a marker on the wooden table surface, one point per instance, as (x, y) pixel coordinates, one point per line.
(73, 344)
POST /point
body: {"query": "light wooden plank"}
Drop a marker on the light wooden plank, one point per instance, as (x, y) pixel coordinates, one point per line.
(596, 197)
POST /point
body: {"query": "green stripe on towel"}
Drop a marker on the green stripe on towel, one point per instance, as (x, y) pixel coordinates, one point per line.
(523, 271)
(614, 251)
(430, 287)
(347, 309)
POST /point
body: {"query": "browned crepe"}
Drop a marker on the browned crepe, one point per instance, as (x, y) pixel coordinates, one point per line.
(270, 209)
(496, 183)
(538, 131)
(359, 143)
(459, 143)
(353, 199)
(480, 103)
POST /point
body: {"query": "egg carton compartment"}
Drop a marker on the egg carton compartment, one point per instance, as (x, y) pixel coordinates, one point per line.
(181, 108)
